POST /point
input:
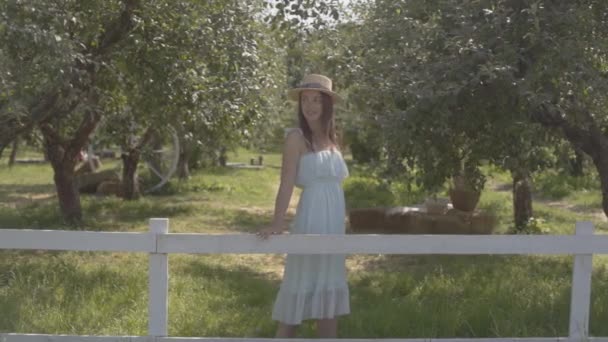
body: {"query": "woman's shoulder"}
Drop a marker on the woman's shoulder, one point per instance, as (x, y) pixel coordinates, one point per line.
(295, 140)
(293, 131)
(295, 136)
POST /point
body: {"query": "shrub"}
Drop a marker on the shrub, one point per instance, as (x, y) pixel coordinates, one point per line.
(364, 192)
(558, 185)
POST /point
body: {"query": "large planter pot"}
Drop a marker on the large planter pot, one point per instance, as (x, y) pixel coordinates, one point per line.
(464, 199)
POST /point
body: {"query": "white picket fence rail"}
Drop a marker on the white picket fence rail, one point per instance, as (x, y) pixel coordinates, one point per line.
(158, 242)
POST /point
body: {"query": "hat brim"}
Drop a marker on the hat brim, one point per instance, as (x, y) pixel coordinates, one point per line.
(294, 94)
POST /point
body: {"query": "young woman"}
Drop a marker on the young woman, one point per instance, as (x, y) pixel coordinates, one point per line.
(314, 286)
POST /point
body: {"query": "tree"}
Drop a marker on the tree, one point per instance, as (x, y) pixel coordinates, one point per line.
(59, 50)
(201, 74)
(183, 62)
(483, 81)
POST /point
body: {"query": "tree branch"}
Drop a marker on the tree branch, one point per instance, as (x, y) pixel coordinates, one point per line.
(145, 138)
(552, 117)
(118, 29)
(51, 135)
(47, 106)
(87, 126)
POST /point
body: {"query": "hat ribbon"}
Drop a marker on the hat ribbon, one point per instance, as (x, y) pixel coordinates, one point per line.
(313, 85)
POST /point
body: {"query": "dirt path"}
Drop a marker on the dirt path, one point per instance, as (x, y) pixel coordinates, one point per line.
(597, 214)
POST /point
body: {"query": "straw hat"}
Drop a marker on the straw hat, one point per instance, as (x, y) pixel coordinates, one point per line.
(314, 82)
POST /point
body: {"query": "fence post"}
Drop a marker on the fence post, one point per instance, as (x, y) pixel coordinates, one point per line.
(581, 289)
(158, 282)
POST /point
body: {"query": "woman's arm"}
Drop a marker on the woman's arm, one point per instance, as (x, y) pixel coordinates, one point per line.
(289, 167)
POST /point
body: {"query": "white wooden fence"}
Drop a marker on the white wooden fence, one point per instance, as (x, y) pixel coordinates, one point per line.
(159, 243)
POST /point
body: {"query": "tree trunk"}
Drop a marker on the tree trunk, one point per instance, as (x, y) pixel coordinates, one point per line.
(63, 157)
(13, 156)
(67, 192)
(223, 157)
(183, 170)
(130, 180)
(130, 160)
(522, 198)
(601, 163)
(185, 154)
(576, 164)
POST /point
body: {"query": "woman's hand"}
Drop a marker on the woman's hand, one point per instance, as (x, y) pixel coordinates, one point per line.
(272, 230)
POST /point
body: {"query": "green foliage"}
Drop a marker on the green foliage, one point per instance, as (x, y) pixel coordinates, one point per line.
(535, 226)
(557, 185)
(365, 189)
(365, 144)
(213, 75)
(51, 52)
(408, 194)
(362, 192)
(204, 68)
(301, 14)
(466, 83)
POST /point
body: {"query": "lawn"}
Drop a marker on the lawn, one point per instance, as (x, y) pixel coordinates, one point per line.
(232, 295)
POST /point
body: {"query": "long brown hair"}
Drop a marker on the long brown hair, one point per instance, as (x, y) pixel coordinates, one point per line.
(328, 121)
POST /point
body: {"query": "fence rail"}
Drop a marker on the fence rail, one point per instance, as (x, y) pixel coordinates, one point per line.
(158, 242)
(73, 338)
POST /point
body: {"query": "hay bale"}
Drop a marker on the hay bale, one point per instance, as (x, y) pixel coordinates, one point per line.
(88, 182)
(464, 221)
(450, 224)
(436, 205)
(399, 220)
(430, 223)
(421, 223)
(407, 220)
(367, 220)
(475, 222)
(109, 188)
(483, 223)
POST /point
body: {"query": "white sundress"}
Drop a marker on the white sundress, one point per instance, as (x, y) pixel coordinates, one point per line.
(315, 286)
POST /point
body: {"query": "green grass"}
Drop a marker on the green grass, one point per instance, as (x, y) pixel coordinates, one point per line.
(232, 295)
(465, 296)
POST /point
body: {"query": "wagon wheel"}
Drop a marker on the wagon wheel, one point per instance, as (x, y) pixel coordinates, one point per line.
(161, 157)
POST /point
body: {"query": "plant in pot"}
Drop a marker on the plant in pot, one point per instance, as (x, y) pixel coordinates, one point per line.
(466, 187)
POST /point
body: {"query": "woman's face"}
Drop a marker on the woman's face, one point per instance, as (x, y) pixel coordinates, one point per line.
(312, 105)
